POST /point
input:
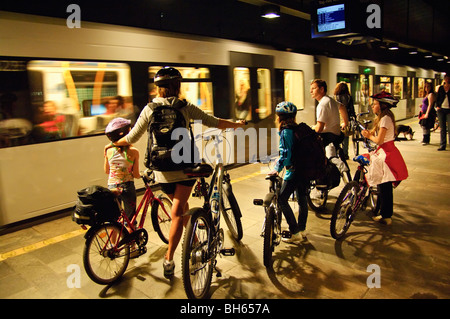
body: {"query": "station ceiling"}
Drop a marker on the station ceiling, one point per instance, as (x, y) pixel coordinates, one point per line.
(421, 24)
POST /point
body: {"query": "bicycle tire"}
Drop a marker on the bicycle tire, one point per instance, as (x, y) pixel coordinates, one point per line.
(161, 219)
(343, 210)
(356, 138)
(196, 262)
(374, 201)
(233, 219)
(269, 233)
(317, 199)
(104, 266)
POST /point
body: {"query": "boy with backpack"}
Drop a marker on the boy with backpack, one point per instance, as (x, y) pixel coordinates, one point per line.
(299, 148)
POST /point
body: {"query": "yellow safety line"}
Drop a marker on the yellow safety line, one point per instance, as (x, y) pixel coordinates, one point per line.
(44, 243)
(57, 239)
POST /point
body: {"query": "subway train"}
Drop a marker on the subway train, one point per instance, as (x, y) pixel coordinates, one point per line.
(60, 86)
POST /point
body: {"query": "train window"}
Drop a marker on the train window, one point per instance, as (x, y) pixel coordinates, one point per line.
(15, 114)
(398, 87)
(242, 93)
(421, 87)
(264, 93)
(74, 98)
(294, 88)
(196, 86)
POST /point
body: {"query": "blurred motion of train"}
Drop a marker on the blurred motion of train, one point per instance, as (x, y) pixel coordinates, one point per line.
(59, 87)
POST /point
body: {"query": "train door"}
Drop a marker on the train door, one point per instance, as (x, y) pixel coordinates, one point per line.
(252, 80)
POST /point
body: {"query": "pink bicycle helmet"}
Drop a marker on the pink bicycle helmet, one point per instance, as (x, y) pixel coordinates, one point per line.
(117, 128)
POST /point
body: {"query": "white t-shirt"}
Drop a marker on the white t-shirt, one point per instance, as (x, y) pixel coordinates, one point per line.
(387, 123)
(328, 112)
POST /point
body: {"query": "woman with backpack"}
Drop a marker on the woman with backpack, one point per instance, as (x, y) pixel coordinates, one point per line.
(387, 167)
(286, 112)
(175, 183)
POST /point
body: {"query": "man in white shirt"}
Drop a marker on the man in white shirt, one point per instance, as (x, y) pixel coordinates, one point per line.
(443, 111)
(327, 113)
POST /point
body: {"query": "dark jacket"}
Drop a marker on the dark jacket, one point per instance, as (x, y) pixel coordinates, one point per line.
(441, 96)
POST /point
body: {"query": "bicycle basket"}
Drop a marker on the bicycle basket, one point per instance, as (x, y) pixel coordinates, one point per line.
(95, 204)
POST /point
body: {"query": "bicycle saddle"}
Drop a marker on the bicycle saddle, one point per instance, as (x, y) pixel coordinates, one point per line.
(202, 170)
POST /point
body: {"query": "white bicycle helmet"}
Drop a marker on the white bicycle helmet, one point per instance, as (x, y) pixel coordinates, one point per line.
(117, 128)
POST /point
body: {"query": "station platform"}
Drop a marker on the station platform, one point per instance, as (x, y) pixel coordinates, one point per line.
(412, 253)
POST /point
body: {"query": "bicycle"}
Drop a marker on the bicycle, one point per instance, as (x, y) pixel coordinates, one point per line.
(203, 239)
(109, 245)
(353, 197)
(273, 216)
(317, 194)
(357, 127)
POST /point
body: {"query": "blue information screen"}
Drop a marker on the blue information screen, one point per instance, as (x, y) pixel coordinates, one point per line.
(331, 18)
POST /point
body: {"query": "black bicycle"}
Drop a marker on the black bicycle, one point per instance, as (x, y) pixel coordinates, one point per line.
(203, 239)
(357, 127)
(317, 194)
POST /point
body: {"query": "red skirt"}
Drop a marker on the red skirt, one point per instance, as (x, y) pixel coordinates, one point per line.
(386, 165)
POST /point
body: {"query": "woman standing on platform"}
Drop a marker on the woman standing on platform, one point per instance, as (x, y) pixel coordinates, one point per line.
(427, 115)
(387, 167)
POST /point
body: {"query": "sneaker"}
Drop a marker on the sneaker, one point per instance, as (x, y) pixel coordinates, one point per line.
(295, 238)
(381, 220)
(169, 268)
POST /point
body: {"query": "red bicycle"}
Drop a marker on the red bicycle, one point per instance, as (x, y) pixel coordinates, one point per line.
(110, 244)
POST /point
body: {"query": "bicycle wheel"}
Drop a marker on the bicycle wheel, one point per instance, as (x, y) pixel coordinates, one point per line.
(373, 201)
(269, 236)
(343, 210)
(196, 262)
(356, 138)
(161, 219)
(231, 212)
(317, 198)
(103, 261)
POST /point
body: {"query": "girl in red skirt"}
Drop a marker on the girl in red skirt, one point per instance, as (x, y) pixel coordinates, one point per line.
(387, 167)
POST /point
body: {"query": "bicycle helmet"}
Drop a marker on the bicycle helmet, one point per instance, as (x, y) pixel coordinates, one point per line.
(117, 128)
(287, 108)
(167, 75)
(386, 98)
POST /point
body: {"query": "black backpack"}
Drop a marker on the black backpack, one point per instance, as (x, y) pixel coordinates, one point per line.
(308, 154)
(95, 204)
(164, 120)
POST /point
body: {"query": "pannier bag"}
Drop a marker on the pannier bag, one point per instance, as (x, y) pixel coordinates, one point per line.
(332, 177)
(95, 204)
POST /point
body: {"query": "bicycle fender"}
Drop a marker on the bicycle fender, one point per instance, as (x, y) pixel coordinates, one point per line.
(94, 228)
(268, 199)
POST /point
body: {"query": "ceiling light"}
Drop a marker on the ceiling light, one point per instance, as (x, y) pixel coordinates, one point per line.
(413, 51)
(440, 58)
(428, 55)
(393, 46)
(270, 11)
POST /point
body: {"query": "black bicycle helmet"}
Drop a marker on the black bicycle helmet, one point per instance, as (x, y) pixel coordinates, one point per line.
(167, 75)
(117, 129)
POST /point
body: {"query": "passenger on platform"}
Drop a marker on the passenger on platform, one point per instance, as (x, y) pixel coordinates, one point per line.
(427, 114)
(176, 184)
(327, 112)
(387, 167)
(342, 95)
(286, 112)
(243, 102)
(443, 111)
(122, 164)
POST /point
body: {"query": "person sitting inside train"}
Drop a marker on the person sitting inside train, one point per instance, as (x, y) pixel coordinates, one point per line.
(50, 123)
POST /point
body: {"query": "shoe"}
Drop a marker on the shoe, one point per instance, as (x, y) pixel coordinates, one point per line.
(441, 148)
(169, 268)
(295, 238)
(381, 220)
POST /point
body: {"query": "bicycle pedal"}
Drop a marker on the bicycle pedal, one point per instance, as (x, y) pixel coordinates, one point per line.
(228, 251)
(286, 234)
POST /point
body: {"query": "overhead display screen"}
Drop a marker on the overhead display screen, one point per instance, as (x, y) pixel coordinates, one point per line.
(331, 18)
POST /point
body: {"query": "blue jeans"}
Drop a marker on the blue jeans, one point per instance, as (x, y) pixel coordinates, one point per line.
(444, 124)
(287, 189)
